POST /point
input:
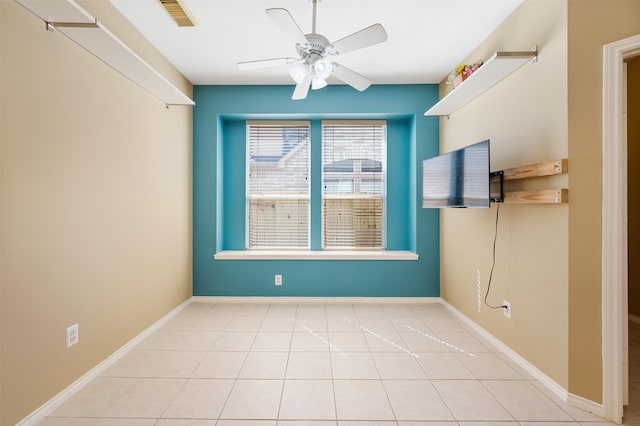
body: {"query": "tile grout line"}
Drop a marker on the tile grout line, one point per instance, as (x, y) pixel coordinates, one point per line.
(384, 388)
(186, 380)
(235, 381)
(286, 368)
(333, 382)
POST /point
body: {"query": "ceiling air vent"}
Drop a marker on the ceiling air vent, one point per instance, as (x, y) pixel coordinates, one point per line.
(178, 12)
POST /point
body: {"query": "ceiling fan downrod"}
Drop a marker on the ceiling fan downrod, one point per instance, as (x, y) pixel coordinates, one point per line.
(313, 22)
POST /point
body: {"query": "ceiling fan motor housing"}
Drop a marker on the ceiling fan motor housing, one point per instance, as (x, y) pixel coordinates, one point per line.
(315, 48)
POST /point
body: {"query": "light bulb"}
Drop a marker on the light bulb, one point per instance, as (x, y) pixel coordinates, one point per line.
(322, 68)
(298, 73)
(318, 83)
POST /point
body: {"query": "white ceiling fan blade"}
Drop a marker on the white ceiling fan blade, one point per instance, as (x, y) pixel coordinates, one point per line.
(302, 89)
(264, 63)
(352, 78)
(364, 38)
(287, 24)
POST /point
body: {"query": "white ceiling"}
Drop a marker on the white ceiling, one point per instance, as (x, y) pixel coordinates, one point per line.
(426, 38)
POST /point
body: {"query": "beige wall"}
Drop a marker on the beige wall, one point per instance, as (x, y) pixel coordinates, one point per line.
(525, 117)
(95, 205)
(633, 153)
(592, 24)
(549, 257)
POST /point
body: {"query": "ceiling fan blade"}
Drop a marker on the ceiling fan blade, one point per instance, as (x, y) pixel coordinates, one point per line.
(287, 24)
(364, 38)
(264, 63)
(302, 89)
(352, 78)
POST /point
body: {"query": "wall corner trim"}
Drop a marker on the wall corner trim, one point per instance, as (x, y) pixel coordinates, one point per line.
(586, 405)
(48, 407)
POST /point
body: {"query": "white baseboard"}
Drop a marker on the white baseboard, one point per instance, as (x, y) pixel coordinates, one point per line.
(50, 406)
(301, 299)
(548, 382)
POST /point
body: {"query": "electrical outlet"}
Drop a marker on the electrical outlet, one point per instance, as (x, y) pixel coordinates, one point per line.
(506, 310)
(278, 279)
(73, 335)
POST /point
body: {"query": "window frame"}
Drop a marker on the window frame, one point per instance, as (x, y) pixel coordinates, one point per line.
(249, 196)
(358, 177)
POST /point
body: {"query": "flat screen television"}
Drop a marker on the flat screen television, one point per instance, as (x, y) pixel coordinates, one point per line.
(459, 178)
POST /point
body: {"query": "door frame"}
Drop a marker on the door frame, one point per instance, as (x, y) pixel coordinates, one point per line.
(614, 226)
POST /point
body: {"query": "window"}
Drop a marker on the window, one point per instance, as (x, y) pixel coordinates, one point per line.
(243, 209)
(353, 181)
(278, 191)
(278, 163)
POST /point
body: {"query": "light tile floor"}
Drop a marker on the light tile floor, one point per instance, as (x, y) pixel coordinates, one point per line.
(340, 364)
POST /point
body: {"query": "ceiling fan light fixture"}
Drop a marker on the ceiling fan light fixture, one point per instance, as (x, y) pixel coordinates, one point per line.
(322, 68)
(298, 73)
(318, 83)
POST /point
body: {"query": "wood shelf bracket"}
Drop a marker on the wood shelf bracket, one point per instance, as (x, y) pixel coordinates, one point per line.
(546, 168)
(545, 196)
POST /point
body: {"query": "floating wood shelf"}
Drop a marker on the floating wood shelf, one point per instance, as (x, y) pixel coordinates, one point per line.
(545, 196)
(74, 22)
(546, 168)
(496, 68)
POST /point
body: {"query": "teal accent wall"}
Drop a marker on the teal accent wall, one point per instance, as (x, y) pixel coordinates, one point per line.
(219, 156)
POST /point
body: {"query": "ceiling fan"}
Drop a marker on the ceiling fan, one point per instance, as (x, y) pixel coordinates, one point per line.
(313, 66)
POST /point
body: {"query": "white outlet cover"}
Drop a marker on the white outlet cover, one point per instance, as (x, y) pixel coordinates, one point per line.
(506, 311)
(73, 335)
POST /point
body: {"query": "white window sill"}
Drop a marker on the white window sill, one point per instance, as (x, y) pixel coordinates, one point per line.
(319, 255)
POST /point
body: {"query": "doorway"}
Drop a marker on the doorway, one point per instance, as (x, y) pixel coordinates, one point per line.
(632, 65)
(615, 264)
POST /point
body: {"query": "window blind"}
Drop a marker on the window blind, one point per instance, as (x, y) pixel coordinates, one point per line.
(278, 163)
(353, 181)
